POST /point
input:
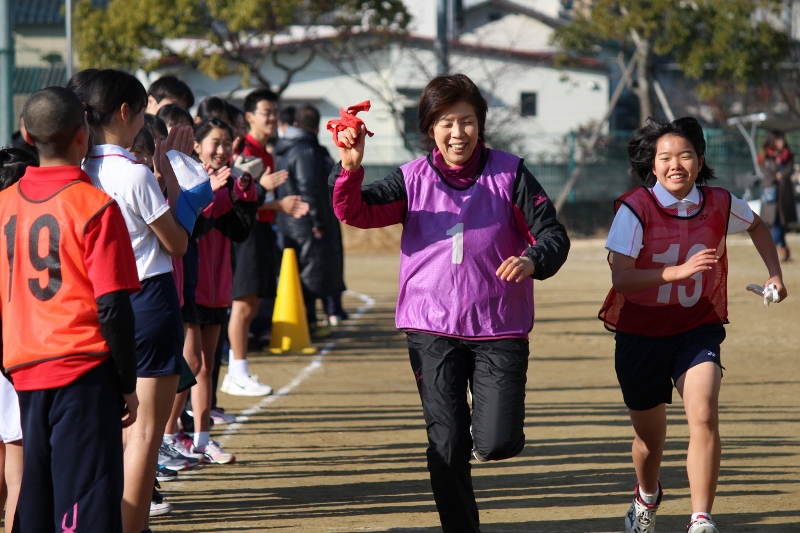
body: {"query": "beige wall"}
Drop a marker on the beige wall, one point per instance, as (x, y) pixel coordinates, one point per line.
(33, 42)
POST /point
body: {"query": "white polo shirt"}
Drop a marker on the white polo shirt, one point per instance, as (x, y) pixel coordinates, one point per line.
(625, 235)
(115, 171)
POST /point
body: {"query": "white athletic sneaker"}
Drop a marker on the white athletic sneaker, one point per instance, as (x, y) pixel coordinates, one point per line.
(215, 454)
(641, 517)
(249, 386)
(219, 416)
(702, 524)
(158, 506)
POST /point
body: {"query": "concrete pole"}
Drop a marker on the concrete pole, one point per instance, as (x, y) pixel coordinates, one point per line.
(442, 14)
(6, 73)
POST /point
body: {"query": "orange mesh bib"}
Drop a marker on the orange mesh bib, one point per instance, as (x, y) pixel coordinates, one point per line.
(46, 298)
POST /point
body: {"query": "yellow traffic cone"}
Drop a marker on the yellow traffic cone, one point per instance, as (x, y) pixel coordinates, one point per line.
(289, 323)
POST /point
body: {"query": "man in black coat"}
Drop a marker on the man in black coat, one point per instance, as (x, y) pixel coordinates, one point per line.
(316, 237)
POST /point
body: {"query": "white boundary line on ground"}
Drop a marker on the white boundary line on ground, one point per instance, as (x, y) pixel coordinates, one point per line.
(316, 362)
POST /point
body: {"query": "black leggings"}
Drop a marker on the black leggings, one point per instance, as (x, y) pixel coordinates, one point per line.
(496, 372)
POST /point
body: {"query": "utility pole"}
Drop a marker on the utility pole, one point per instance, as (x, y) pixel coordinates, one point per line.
(6, 73)
(442, 49)
(68, 24)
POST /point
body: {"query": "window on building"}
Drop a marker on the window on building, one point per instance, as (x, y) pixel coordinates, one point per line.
(527, 104)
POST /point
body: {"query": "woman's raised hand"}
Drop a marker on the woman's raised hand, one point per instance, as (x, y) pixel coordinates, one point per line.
(353, 150)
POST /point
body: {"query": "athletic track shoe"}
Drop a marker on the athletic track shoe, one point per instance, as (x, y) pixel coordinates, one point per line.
(184, 444)
(641, 517)
(173, 451)
(215, 454)
(158, 506)
(702, 524)
(219, 416)
(165, 474)
(249, 386)
(170, 458)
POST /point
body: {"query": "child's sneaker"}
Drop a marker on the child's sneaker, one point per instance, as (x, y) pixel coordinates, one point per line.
(158, 506)
(702, 524)
(219, 416)
(215, 454)
(170, 458)
(641, 517)
(184, 444)
(165, 474)
(244, 386)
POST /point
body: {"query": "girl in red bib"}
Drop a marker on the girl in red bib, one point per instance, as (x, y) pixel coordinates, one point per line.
(668, 306)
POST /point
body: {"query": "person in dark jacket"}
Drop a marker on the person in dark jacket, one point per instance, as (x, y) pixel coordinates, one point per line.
(778, 208)
(317, 236)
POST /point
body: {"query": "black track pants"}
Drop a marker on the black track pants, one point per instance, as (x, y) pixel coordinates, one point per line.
(496, 371)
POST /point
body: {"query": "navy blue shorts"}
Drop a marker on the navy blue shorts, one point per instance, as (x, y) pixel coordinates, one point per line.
(159, 327)
(648, 367)
(72, 455)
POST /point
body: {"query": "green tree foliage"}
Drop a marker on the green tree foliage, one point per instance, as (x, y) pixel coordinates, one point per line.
(724, 44)
(231, 35)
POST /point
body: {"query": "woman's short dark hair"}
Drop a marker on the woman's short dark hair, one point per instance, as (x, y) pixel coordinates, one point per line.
(104, 92)
(173, 114)
(13, 162)
(214, 107)
(155, 125)
(202, 130)
(443, 92)
(145, 140)
(644, 141)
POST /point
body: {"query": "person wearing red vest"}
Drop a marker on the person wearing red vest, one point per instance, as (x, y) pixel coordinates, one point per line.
(255, 265)
(668, 306)
(67, 326)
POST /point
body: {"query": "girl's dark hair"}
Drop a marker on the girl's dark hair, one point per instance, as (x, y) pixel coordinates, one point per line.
(104, 92)
(202, 130)
(155, 125)
(145, 138)
(443, 92)
(172, 114)
(643, 143)
(213, 107)
(13, 162)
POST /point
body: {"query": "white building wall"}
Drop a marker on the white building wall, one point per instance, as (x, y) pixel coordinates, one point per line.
(566, 100)
(516, 32)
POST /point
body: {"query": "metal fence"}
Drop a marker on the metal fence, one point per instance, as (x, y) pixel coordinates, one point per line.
(552, 159)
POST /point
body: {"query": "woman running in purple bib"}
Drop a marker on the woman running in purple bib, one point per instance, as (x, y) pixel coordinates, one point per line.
(478, 228)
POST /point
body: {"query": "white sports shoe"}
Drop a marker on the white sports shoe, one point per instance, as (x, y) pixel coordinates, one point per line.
(219, 416)
(249, 386)
(641, 517)
(702, 524)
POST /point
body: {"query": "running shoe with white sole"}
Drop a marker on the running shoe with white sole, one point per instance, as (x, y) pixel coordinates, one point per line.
(641, 517)
(169, 458)
(158, 506)
(219, 416)
(248, 386)
(702, 524)
(165, 474)
(215, 454)
(184, 444)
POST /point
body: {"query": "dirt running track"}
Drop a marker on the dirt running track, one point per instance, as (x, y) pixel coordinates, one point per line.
(341, 447)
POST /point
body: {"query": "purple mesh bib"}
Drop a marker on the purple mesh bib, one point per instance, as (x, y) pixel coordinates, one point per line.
(453, 242)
